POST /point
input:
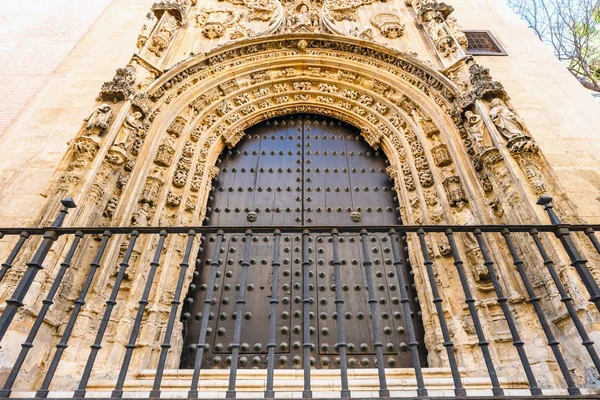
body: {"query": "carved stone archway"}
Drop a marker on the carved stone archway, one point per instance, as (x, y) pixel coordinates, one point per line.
(158, 170)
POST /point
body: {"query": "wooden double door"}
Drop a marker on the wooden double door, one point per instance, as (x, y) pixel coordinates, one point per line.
(301, 171)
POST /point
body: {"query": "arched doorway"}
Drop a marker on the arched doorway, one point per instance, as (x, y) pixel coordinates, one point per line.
(301, 171)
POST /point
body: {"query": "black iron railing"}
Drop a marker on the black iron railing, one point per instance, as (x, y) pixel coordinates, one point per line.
(398, 236)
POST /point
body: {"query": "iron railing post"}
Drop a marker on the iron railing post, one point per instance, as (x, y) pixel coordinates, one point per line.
(400, 260)
(201, 346)
(459, 390)
(110, 304)
(47, 302)
(512, 326)
(78, 304)
(339, 304)
(33, 267)
(166, 345)
(367, 264)
(566, 299)
(237, 331)
(577, 260)
(6, 265)
(273, 302)
(135, 329)
(535, 301)
(470, 300)
(306, 345)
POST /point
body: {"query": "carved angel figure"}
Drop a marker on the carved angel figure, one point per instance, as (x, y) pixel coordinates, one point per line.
(509, 125)
(99, 119)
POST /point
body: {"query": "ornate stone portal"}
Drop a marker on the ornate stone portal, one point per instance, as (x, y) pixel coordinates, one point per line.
(457, 151)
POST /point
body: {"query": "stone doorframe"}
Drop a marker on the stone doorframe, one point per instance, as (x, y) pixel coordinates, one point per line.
(149, 159)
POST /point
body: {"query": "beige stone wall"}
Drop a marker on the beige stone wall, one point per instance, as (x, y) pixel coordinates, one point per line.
(35, 40)
(49, 65)
(562, 116)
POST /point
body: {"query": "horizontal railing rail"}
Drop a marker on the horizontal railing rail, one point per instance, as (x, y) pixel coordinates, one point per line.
(401, 255)
(154, 230)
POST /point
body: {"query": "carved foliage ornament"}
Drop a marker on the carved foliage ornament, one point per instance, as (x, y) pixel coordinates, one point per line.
(120, 87)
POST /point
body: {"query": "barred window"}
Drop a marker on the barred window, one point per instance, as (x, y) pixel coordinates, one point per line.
(483, 43)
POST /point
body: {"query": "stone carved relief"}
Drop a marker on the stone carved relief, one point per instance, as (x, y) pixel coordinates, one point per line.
(443, 39)
(453, 186)
(152, 187)
(165, 153)
(147, 29)
(99, 120)
(507, 122)
(85, 150)
(362, 32)
(389, 25)
(441, 155)
(456, 30)
(142, 216)
(176, 127)
(214, 23)
(303, 18)
(161, 40)
(339, 10)
(132, 128)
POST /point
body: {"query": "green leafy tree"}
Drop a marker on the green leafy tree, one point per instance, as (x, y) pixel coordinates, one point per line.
(572, 30)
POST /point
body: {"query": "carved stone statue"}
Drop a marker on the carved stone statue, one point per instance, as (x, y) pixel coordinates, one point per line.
(302, 20)
(99, 119)
(475, 127)
(509, 125)
(132, 126)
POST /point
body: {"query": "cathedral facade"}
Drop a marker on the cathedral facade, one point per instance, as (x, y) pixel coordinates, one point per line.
(302, 198)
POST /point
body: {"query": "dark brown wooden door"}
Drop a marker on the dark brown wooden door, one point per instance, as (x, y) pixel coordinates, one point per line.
(300, 171)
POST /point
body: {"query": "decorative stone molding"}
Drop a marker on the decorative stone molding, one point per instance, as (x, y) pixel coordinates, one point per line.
(175, 8)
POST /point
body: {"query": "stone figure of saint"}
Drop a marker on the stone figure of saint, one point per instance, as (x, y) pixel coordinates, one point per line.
(475, 126)
(132, 126)
(465, 216)
(301, 20)
(99, 119)
(509, 125)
